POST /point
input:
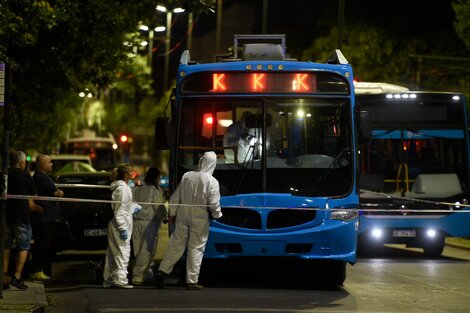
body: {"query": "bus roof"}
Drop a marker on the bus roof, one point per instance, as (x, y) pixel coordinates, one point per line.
(94, 139)
(377, 88)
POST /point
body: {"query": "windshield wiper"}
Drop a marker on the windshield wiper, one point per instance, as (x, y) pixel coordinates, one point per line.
(336, 161)
(243, 167)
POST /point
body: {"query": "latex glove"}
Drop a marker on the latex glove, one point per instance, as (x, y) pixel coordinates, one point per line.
(136, 208)
(216, 215)
(123, 234)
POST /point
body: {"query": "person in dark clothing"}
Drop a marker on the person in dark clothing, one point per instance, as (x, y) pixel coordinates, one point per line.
(43, 223)
(18, 227)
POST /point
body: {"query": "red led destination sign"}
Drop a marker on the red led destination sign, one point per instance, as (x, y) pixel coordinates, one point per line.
(259, 82)
(264, 82)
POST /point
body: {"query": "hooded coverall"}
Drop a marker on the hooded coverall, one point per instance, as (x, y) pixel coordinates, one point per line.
(119, 251)
(247, 140)
(197, 193)
(145, 231)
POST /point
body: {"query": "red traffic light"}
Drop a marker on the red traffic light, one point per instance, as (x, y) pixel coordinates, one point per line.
(208, 119)
(124, 138)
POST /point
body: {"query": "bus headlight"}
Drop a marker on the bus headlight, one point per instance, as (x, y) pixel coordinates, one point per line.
(344, 215)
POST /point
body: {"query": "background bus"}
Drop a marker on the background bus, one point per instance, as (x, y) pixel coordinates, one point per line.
(103, 151)
(288, 181)
(419, 155)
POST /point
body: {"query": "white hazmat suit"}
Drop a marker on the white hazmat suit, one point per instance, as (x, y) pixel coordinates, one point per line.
(247, 140)
(145, 231)
(119, 249)
(196, 197)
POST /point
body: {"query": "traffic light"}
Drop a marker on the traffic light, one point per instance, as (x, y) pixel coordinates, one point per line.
(125, 141)
(124, 138)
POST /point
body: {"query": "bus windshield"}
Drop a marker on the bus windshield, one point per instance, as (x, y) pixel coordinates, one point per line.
(101, 150)
(419, 146)
(296, 145)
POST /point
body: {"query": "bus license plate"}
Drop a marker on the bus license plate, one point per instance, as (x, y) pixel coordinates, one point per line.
(95, 232)
(404, 233)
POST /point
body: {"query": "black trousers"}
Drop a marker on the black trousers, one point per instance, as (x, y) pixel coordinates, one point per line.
(42, 252)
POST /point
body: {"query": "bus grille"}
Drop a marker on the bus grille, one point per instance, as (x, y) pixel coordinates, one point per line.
(279, 218)
(240, 217)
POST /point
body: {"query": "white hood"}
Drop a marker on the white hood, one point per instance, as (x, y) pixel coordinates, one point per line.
(117, 183)
(207, 162)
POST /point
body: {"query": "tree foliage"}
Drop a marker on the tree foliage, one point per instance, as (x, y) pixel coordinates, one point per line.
(395, 51)
(462, 21)
(366, 48)
(56, 48)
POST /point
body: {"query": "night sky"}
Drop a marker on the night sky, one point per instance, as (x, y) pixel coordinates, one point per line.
(304, 20)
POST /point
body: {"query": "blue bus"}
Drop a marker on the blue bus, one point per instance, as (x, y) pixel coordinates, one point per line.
(415, 180)
(285, 135)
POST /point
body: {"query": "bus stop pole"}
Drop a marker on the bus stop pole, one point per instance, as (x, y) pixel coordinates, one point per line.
(4, 101)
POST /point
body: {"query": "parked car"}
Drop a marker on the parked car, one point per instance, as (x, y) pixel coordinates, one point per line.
(67, 163)
(83, 224)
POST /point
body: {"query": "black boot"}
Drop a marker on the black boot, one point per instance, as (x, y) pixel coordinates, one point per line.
(160, 279)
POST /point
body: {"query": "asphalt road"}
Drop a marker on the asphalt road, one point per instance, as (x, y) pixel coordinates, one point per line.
(395, 280)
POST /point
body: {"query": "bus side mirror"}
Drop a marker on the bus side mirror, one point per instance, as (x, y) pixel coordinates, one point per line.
(162, 133)
(364, 127)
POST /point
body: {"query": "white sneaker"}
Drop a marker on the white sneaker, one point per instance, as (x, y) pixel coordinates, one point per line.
(126, 286)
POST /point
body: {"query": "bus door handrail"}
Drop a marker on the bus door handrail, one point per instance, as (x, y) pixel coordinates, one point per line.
(407, 178)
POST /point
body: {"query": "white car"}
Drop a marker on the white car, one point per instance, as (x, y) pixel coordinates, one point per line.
(67, 163)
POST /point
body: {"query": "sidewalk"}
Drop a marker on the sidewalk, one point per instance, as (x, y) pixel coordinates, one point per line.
(32, 299)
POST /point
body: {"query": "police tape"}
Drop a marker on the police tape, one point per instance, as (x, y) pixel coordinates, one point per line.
(63, 199)
(371, 207)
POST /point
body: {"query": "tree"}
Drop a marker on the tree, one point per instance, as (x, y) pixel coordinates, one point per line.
(462, 21)
(385, 54)
(58, 48)
(367, 49)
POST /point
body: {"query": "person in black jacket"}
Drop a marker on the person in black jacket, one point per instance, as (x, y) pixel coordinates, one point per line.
(18, 227)
(43, 223)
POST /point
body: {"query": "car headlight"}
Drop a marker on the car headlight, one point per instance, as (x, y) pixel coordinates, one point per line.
(431, 233)
(377, 233)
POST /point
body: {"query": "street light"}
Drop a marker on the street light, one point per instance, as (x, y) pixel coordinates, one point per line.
(161, 8)
(149, 43)
(218, 28)
(84, 94)
(169, 14)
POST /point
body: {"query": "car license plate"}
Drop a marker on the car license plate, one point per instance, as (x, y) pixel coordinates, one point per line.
(95, 232)
(404, 233)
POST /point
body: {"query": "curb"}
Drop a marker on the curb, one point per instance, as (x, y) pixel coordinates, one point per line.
(31, 300)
